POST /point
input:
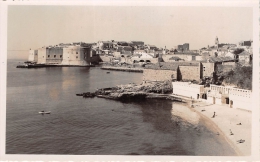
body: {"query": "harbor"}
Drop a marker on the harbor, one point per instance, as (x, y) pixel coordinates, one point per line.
(159, 80)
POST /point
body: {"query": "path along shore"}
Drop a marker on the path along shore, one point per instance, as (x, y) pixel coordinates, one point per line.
(227, 121)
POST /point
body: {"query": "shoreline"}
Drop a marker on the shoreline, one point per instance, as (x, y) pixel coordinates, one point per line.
(234, 125)
(227, 119)
(128, 69)
(219, 125)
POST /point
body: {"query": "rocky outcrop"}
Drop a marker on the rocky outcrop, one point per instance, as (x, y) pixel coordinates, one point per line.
(132, 91)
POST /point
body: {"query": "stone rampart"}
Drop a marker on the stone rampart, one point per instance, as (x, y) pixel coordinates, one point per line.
(189, 73)
(76, 55)
(54, 55)
(159, 75)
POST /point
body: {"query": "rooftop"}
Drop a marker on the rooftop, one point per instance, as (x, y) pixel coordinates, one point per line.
(244, 53)
(220, 59)
(186, 53)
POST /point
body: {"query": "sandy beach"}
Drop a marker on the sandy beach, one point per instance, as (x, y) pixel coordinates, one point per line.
(234, 124)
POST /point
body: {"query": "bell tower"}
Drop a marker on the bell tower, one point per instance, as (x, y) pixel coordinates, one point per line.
(216, 42)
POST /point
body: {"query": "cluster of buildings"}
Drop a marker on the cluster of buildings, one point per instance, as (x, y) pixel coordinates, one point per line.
(179, 64)
(192, 65)
(137, 52)
(186, 66)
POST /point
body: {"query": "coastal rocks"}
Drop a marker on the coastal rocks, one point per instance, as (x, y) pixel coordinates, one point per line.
(132, 92)
(125, 96)
(88, 94)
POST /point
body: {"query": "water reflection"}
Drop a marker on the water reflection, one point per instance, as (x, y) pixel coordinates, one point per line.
(159, 114)
(54, 94)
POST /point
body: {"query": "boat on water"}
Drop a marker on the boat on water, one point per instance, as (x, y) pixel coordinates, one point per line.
(44, 112)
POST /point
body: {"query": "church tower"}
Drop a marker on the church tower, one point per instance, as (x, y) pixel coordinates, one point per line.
(216, 42)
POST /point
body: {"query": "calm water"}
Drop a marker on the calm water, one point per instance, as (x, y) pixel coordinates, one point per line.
(97, 126)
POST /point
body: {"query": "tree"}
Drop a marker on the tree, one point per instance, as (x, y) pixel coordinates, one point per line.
(238, 51)
(241, 76)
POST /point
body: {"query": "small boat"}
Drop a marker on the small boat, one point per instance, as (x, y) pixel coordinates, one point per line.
(44, 112)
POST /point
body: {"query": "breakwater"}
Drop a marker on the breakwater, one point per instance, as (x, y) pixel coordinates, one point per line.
(50, 65)
(129, 69)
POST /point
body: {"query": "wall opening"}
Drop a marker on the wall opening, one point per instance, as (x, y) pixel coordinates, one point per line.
(227, 100)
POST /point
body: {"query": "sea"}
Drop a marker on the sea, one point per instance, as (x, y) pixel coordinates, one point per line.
(98, 126)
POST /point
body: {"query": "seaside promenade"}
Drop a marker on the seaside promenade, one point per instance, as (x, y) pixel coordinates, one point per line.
(227, 123)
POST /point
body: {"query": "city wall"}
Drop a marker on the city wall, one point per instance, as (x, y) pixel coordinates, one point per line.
(189, 73)
(159, 75)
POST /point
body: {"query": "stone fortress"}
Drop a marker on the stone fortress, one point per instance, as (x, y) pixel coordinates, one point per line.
(75, 54)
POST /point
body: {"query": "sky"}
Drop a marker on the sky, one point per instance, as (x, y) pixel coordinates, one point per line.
(32, 27)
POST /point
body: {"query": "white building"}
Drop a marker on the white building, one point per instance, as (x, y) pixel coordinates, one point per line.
(232, 97)
(187, 89)
(240, 98)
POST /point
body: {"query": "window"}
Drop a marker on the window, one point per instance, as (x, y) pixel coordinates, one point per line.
(48, 56)
(60, 56)
(76, 56)
(76, 52)
(54, 56)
